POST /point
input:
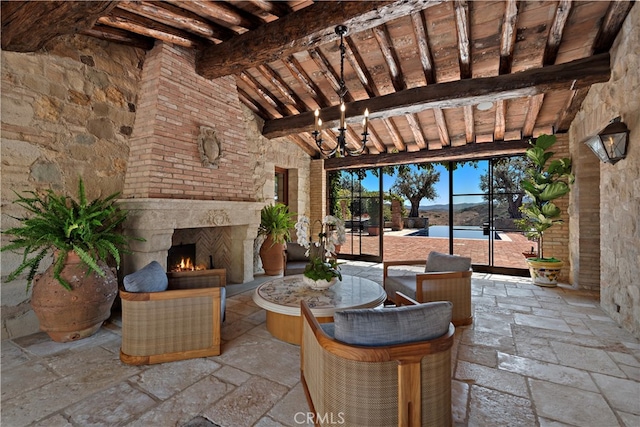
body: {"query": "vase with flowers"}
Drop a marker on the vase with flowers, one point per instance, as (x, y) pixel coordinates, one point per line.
(323, 270)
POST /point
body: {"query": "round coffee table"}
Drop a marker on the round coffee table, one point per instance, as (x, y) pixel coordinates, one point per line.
(281, 299)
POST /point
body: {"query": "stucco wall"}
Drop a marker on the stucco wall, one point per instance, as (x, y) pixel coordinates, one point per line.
(69, 110)
(618, 190)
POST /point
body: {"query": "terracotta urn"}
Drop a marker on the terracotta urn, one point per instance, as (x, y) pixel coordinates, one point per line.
(72, 315)
(272, 256)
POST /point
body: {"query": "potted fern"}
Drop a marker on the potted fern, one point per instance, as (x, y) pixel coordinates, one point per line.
(545, 182)
(74, 294)
(275, 224)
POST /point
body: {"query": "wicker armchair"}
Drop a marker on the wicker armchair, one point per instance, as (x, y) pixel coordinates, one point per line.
(454, 286)
(182, 322)
(402, 384)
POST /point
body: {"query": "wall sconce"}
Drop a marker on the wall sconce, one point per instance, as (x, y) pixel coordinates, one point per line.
(610, 145)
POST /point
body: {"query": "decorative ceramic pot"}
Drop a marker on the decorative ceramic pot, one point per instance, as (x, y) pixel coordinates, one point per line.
(545, 273)
(79, 313)
(319, 284)
(272, 256)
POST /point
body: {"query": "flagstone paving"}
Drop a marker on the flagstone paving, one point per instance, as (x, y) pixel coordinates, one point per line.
(533, 357)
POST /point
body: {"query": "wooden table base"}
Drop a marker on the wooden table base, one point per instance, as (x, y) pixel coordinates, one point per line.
(288, 328)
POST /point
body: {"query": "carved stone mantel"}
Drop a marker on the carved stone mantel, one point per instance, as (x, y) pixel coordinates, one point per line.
(156, 219)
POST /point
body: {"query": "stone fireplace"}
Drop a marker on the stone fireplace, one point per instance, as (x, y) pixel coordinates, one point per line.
(233, 225)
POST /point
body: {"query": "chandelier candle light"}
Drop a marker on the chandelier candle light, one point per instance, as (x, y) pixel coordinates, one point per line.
(341, 147)
(322, 271)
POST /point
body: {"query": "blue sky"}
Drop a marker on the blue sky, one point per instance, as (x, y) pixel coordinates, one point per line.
(466, 180)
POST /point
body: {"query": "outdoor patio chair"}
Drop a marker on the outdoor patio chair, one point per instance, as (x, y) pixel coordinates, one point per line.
(181, 322)
(444, 278)
(380, 366)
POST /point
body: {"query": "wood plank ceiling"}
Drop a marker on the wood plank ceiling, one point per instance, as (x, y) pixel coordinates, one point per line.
(442, 79)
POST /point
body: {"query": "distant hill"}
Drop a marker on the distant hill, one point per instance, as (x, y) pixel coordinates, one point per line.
(456, 207)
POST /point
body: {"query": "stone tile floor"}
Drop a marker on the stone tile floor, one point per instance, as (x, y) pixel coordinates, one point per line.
(533, 357)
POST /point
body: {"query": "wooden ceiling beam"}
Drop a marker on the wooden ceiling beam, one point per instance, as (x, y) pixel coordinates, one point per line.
(376, 140)
(465, 152)
(257, 87)
(394, 133)
(611, 25)
(416, 129)
(358, 65)
(572, 75)
(220, 12)
(555, 33)
(381, 34)
(469, 126)
(571, 109)
(327, 70)
(117, 35)
(301, 30)
(168, 14)
(253, 105)
(464, 37)
(275, 8)
(28, 25)
(441, 124)
(419, 25)
(307, 83)
(283, 88)
(499, 128)
(535, 104)
(508, 37)
(134, 23)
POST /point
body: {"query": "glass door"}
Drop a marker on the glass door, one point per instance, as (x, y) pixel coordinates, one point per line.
(355, 197)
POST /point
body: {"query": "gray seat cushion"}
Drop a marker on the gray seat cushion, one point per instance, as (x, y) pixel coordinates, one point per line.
(437, 261)
(400, 281)
(396, 325)
(150, 278)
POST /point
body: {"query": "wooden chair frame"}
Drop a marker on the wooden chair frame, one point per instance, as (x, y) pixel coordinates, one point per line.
(454, 286)
(414, 360)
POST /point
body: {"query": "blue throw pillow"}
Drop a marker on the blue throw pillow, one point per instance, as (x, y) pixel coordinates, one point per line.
(437, 261)
(394, 325)
(150, 278)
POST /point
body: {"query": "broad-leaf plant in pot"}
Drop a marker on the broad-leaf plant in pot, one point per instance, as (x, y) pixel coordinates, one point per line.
(74, 295)
(276, 223)
(546, 181)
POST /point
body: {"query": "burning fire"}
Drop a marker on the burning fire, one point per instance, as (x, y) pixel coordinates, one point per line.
(187, 265)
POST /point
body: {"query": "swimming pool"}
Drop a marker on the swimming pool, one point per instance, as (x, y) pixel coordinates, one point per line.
(460, 232)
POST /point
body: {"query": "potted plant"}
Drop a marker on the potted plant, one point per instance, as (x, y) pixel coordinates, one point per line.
(322, 271)
(275, 224)
(74, 295)
(545, 182)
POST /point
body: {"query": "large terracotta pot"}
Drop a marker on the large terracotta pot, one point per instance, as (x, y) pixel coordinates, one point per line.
(79, 313)
(272, 256)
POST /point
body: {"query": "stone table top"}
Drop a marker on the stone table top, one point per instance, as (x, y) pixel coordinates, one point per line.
(283, 295)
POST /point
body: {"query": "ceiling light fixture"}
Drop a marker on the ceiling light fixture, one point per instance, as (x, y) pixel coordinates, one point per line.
(485, 106)
(610, 145)
(341, 147)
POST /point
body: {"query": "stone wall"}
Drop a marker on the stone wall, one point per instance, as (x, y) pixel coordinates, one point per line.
(619, 193)
(70, 110)
(67, 112)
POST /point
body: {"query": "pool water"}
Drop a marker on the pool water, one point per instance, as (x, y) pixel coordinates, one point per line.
(460, 232)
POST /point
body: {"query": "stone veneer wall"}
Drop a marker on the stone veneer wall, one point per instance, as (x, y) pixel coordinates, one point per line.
(67, 112)
(619, 192)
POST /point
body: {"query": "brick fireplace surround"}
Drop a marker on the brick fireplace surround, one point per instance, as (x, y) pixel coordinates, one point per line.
(169, 185)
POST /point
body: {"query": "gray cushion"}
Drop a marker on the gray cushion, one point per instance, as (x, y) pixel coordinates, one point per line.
(150, 278)
(296, 252)
(396, 325)
(398, 282)
(437, 261)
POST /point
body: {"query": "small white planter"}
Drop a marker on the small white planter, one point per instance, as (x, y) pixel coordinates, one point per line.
(545, 273)
(319, 284)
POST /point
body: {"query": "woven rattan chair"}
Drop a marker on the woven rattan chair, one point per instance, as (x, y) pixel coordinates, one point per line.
(182, 322)
(369, 386)
(454, 286)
